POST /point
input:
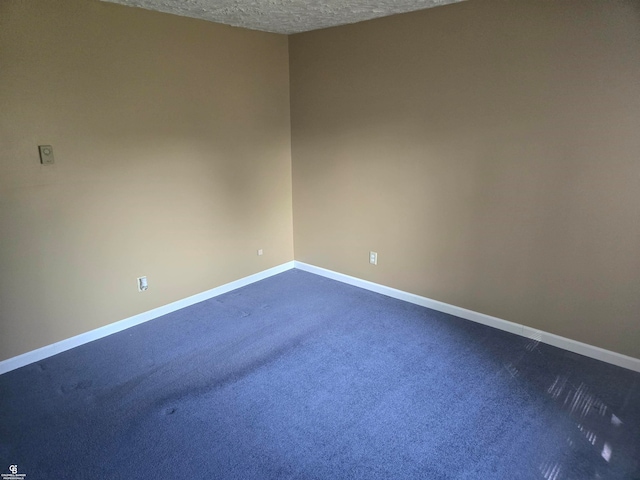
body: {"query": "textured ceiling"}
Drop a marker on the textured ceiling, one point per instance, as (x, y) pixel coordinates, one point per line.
(284, 16)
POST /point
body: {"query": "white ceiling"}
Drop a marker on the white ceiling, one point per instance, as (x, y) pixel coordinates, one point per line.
(284, 16)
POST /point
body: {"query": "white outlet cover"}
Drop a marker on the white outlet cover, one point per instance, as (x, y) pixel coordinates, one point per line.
(142, 284)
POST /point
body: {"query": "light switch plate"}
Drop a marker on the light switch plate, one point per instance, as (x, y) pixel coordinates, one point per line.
(46, 154)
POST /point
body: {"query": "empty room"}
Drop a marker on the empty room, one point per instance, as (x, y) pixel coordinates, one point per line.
(287, 239)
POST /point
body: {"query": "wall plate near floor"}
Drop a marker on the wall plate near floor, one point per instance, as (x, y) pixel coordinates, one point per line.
(373, 258)
(143, 286)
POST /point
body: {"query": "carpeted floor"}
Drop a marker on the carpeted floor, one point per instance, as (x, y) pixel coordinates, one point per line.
(298, 376)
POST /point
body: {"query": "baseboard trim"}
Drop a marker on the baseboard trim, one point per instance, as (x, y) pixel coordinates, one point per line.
(69, 343)
(518, 329)
(522, 330)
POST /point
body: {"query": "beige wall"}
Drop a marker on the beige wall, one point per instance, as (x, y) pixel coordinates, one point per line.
(172, 148)
(489, 151)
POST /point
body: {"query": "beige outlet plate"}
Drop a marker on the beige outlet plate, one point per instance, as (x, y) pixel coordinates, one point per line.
(46, 154)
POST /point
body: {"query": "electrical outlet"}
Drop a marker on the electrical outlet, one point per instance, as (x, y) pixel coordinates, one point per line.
(373, 258)
(260, 252)
(143, 286)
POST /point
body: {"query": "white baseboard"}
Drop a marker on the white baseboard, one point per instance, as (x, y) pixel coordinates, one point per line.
(69, 343)
(538, 335)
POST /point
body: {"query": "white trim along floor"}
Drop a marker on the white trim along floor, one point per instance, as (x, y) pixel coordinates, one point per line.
(544, 337)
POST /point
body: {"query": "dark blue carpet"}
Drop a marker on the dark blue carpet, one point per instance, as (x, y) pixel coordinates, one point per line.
(298, 376)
